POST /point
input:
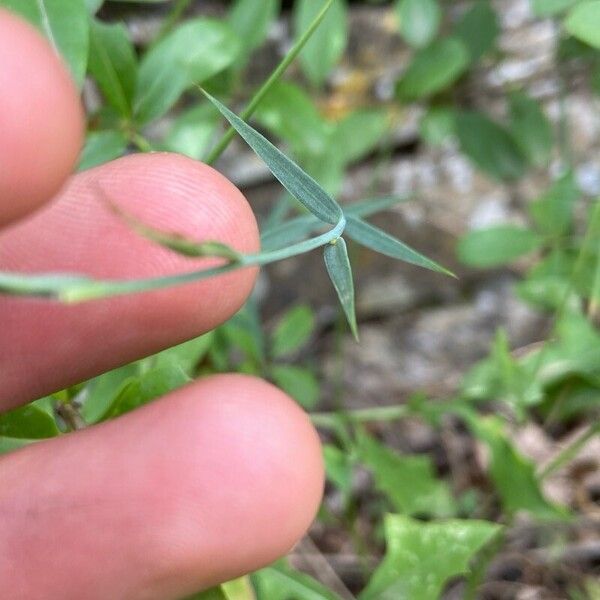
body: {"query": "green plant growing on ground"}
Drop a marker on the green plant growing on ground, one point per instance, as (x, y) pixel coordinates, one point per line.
(419, 515)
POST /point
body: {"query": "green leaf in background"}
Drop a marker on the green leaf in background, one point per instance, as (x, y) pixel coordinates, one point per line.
(237, 589)
(93, 6)
(298, 382)
(437, 125)
(64, 23)
(489, 146)
(497, 245)
(326, 46)
(548, 8)
(478, 29)
(250, 20)
(303, 187)
(409, 481)
(293, 331)
(8, 444)
(339, 466)
(433, 69)
(340, 273)
(192, 131)
(357, 134)
(184, 356)
(101, 147)
(306, 132)
(378, 240)
(513, 474)
(419, 21)
(113, 64)
(421, 557)
(195, 51)
(552, 211)
(583, 22)
(281, 582)
(531, 129)
(28, 422)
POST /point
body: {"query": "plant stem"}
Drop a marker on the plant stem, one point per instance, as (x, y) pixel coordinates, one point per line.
(363, 415)
(178, 9)
(570, 451)
(266, 86)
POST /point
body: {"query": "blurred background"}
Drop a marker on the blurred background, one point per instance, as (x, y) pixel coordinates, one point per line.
(477, 124)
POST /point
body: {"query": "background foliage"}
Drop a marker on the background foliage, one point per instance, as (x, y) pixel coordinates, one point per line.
(427, 533)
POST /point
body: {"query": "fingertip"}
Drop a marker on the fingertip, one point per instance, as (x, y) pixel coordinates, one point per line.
(42, 121)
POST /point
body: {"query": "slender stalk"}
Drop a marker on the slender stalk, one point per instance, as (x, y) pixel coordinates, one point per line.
(266, 86)
(571, 450)
(178, 9)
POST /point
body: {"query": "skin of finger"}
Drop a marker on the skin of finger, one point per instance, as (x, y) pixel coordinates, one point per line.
(46, 346)
(216, 480)
(41, 119)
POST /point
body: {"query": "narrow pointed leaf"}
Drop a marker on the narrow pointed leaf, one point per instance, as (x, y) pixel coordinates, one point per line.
(175, 241)
(340, 273)
(301, 185)
(376, 239)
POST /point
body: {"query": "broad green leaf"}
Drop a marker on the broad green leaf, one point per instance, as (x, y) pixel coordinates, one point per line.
(29, 422)
(193, 131)
(327, 44)
(8, 444)
(408, 481)
(548, 8)
(64, 23)
(357, 134)
(300, 383)
(99, 393)
(306, 132)
(113, 64)
(281, 582)
(293, 331)
(250, 20)
(192, 53)
(303, 187)
(93, 6)
(422, 557)
(237, 589)
(513, 475)
(340, 273)
(583, 22)
(478, 29)
(531, 129)
(437, 125)
(101, 147)
(497, 245)
(419, 20)
(433, 69)
(489, 146)
(552, 212)
(376, 239)
(185, 356)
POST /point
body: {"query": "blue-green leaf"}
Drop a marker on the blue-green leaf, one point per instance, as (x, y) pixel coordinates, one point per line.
(419, 20)
(340, 273)
(376, 239)
(101, 147)
(303, 187)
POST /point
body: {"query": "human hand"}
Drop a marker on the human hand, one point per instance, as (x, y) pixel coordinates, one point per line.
(213, 481)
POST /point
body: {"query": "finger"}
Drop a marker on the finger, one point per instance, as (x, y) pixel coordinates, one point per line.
(216, 480)
(41, 119)
(45, 346)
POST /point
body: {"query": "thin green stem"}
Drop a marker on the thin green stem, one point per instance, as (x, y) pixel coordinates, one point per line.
(178, 9)
(571, 450)
(266, 86)
(73, 288)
